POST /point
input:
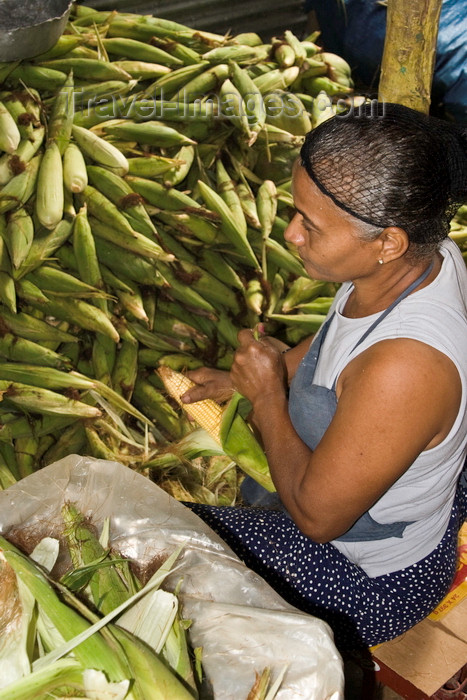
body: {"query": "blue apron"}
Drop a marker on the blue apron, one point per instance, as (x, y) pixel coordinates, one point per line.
(311, 409)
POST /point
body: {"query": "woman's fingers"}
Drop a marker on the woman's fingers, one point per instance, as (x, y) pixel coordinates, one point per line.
(209, 384)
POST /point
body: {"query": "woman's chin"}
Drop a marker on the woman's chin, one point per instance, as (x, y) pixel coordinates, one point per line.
(314, 273)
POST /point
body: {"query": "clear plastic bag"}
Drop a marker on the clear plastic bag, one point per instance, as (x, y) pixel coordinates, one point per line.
(241, 623)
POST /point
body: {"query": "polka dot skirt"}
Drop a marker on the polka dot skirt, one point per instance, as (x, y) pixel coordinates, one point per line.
(320, 580)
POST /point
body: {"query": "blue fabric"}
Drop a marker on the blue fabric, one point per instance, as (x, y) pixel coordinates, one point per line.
(355, 29)
(462, 490)
(321, 581)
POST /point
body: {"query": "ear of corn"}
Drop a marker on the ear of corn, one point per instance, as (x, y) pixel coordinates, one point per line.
(44, 401)
(61, 118)
(207, 413)
(38, 77)
(9, 132)
(26, 326)
(49, 196)
(283, 54)
(276, 79)
(75, 175)
(153, 678)
(44, 246)
(19, 349)
(227, 427)
(123, 196)
(139, 51)
(168, 85)
(229, 224)
(65, 43)
(18, 190)
(87, 68)
(16, 161)
(152, 133)
(202, 84)
(100, 150)
(240, 54)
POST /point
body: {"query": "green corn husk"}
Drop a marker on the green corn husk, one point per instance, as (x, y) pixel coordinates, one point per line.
(43, 246)
(99, 150)
(10, 136)
(7, 478)
(92, 653)
(26, 326)
(15, 617)
(152, 133)
(18, 190)
(74, 169)
(49, 193)
(240, 444)
(108, 585)
(14, 163)
(71, 441)
(123, 196)
(139, 51)
(43, 683)
(26, 449)
(22, 350)
(37, 77)
(85, 315)
(43, 401)
(88, 68)
(229, 223)
(61, 118)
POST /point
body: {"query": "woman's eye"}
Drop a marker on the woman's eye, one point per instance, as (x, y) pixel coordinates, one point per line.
(307, 227)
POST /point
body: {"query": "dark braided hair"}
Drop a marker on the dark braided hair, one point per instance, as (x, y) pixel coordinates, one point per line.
(389, 165)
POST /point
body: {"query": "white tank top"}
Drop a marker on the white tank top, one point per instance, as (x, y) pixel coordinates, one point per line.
(435, 315)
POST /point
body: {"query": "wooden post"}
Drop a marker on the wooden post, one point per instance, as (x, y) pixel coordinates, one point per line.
(409, 52)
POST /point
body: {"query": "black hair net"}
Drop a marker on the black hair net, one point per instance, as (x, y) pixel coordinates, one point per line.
(389, 165)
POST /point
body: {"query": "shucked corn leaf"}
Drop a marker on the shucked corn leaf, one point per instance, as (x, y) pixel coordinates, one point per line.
(16, 609)
(108, 584)
(97, 687)
(151, 618)
(241, 445)
(94, 651)
(44, 682)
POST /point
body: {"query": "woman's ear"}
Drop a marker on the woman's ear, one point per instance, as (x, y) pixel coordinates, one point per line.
(394, 242)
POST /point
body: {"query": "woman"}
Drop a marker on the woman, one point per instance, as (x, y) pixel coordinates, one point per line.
(365, 430)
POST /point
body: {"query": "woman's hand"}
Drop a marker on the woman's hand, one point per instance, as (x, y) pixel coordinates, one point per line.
(258, 369)
(210, 384)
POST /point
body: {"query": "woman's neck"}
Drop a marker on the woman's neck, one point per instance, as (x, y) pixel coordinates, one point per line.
(376, 292)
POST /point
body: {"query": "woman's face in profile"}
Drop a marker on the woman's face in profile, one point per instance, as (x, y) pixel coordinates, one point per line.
(326, 237)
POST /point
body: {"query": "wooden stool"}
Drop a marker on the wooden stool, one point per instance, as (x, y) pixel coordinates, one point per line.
(430, 660)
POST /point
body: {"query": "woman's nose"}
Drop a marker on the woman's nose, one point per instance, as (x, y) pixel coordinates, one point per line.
(293, 233)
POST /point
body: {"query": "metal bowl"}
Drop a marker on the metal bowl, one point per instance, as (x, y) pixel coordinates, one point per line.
(28, 28)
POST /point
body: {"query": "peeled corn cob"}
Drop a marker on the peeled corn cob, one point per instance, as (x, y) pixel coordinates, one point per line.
(207, 413)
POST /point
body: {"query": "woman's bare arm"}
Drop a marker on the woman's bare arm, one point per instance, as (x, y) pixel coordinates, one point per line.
(389, 410)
